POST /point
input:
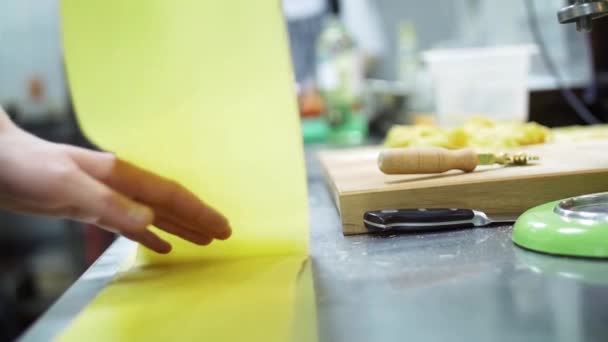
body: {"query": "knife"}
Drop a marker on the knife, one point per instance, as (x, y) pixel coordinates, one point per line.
(428, 219)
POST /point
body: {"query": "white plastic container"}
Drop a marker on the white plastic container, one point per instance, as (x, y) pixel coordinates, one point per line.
(492, 82)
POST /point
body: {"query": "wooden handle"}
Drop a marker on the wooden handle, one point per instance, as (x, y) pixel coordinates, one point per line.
(426, 160)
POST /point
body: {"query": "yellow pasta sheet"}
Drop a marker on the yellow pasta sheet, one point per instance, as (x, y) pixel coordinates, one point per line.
(200, 92)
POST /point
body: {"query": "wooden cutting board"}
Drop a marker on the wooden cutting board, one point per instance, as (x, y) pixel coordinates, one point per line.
(564, 170)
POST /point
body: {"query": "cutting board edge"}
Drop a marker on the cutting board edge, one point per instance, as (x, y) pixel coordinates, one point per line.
(329, 182)
(346, 192)
(353, 205)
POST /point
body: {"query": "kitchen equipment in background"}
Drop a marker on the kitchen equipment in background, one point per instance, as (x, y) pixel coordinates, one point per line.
(315, 130)
(576, 226)
(340, 80)
(408, 56)
(32, 85)
(566, 170)
(418, 160)
(315, 127)
(582, 12)
(490, 81)
(386, 103)
(427, 219)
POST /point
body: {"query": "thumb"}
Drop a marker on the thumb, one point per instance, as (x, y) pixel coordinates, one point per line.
(94, 202)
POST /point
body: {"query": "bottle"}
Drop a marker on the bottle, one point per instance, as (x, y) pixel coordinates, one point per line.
(340, 79)
(408, 54)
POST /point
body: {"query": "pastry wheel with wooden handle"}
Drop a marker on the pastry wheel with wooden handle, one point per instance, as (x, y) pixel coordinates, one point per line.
(423, 160)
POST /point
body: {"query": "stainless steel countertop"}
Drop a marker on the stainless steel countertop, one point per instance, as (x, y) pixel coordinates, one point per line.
(468, 285)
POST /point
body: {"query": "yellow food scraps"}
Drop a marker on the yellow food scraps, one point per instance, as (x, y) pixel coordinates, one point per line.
(580, 133)
(200, 92)
(478, 133)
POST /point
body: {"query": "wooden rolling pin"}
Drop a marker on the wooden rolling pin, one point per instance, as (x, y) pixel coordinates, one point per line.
(418, 160)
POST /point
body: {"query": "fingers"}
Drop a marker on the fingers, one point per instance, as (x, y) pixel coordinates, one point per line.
(170, 226)
(187, 210)
(93, 202)
(169, 197)
(165, 196)
(150, 240)
(96, 164)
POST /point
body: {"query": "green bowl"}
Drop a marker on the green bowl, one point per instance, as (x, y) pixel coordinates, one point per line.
(543, 230)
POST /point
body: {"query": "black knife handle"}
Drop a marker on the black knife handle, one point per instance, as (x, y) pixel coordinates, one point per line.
(418, 220)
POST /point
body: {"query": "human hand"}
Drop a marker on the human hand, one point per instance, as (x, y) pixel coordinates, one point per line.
(44, 178)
